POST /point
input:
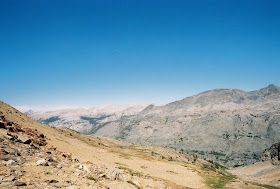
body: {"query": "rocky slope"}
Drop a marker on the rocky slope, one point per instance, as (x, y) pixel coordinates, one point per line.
(33, 155)
(83, 119)
(272, 154)
(27, 160)
(226, 125)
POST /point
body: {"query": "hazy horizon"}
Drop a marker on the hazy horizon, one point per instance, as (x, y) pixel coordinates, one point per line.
(45, 107)
(91, 53)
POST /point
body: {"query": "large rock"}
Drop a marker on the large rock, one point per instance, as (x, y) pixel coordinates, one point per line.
(11, 163)
(42, 162)
(24, 140)
(11, 179)
(272, 154)
(17, 183)
(2, 125)
(12, 151)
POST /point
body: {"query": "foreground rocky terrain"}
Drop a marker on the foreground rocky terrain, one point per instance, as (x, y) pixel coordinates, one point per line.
(27, 160)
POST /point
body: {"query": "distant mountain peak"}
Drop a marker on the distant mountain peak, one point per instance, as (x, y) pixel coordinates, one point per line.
(272, 89)
(151, 106)
(272, 86)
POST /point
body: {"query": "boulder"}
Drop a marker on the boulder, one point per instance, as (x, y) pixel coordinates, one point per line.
(24, 140)
(2, 125)
(86, 169)
(53, 181)
(19, 183)
(42, 162)
(12, 151)
(272, 154)
(8, 179)
(9, 137)
(136, 183)
(11, 163)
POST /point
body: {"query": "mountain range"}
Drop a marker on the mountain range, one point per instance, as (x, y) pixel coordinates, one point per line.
(229, 126)
(83, 119)
(34, 155)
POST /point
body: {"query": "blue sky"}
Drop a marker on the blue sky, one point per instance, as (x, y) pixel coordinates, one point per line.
(86, 53)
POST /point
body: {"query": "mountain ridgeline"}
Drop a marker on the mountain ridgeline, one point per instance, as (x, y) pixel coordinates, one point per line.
(230, 126)
(227, 125)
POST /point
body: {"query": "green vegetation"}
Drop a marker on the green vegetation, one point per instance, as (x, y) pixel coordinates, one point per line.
(92, 178)
(219, 181)
(194, 158)
(217, 153)
(125, 155)
(221, 178)
(209, 167)
(217, 165)
(131, 172)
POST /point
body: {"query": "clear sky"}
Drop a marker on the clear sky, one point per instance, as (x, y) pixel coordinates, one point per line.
(87, 53)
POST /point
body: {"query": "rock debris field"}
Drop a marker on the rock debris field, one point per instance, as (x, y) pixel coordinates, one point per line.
(26, 160)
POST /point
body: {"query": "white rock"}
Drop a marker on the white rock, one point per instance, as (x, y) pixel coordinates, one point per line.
(85, 168)
(136, 183)
(77, 165)
(8, 179)
(42, 162)
(11, 163)
(24, 139)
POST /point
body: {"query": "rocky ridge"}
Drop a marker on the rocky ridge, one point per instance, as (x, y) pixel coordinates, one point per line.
(229, 126)
(272, 154)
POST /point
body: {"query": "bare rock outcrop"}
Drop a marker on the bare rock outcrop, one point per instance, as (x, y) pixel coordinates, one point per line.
(272, 154)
